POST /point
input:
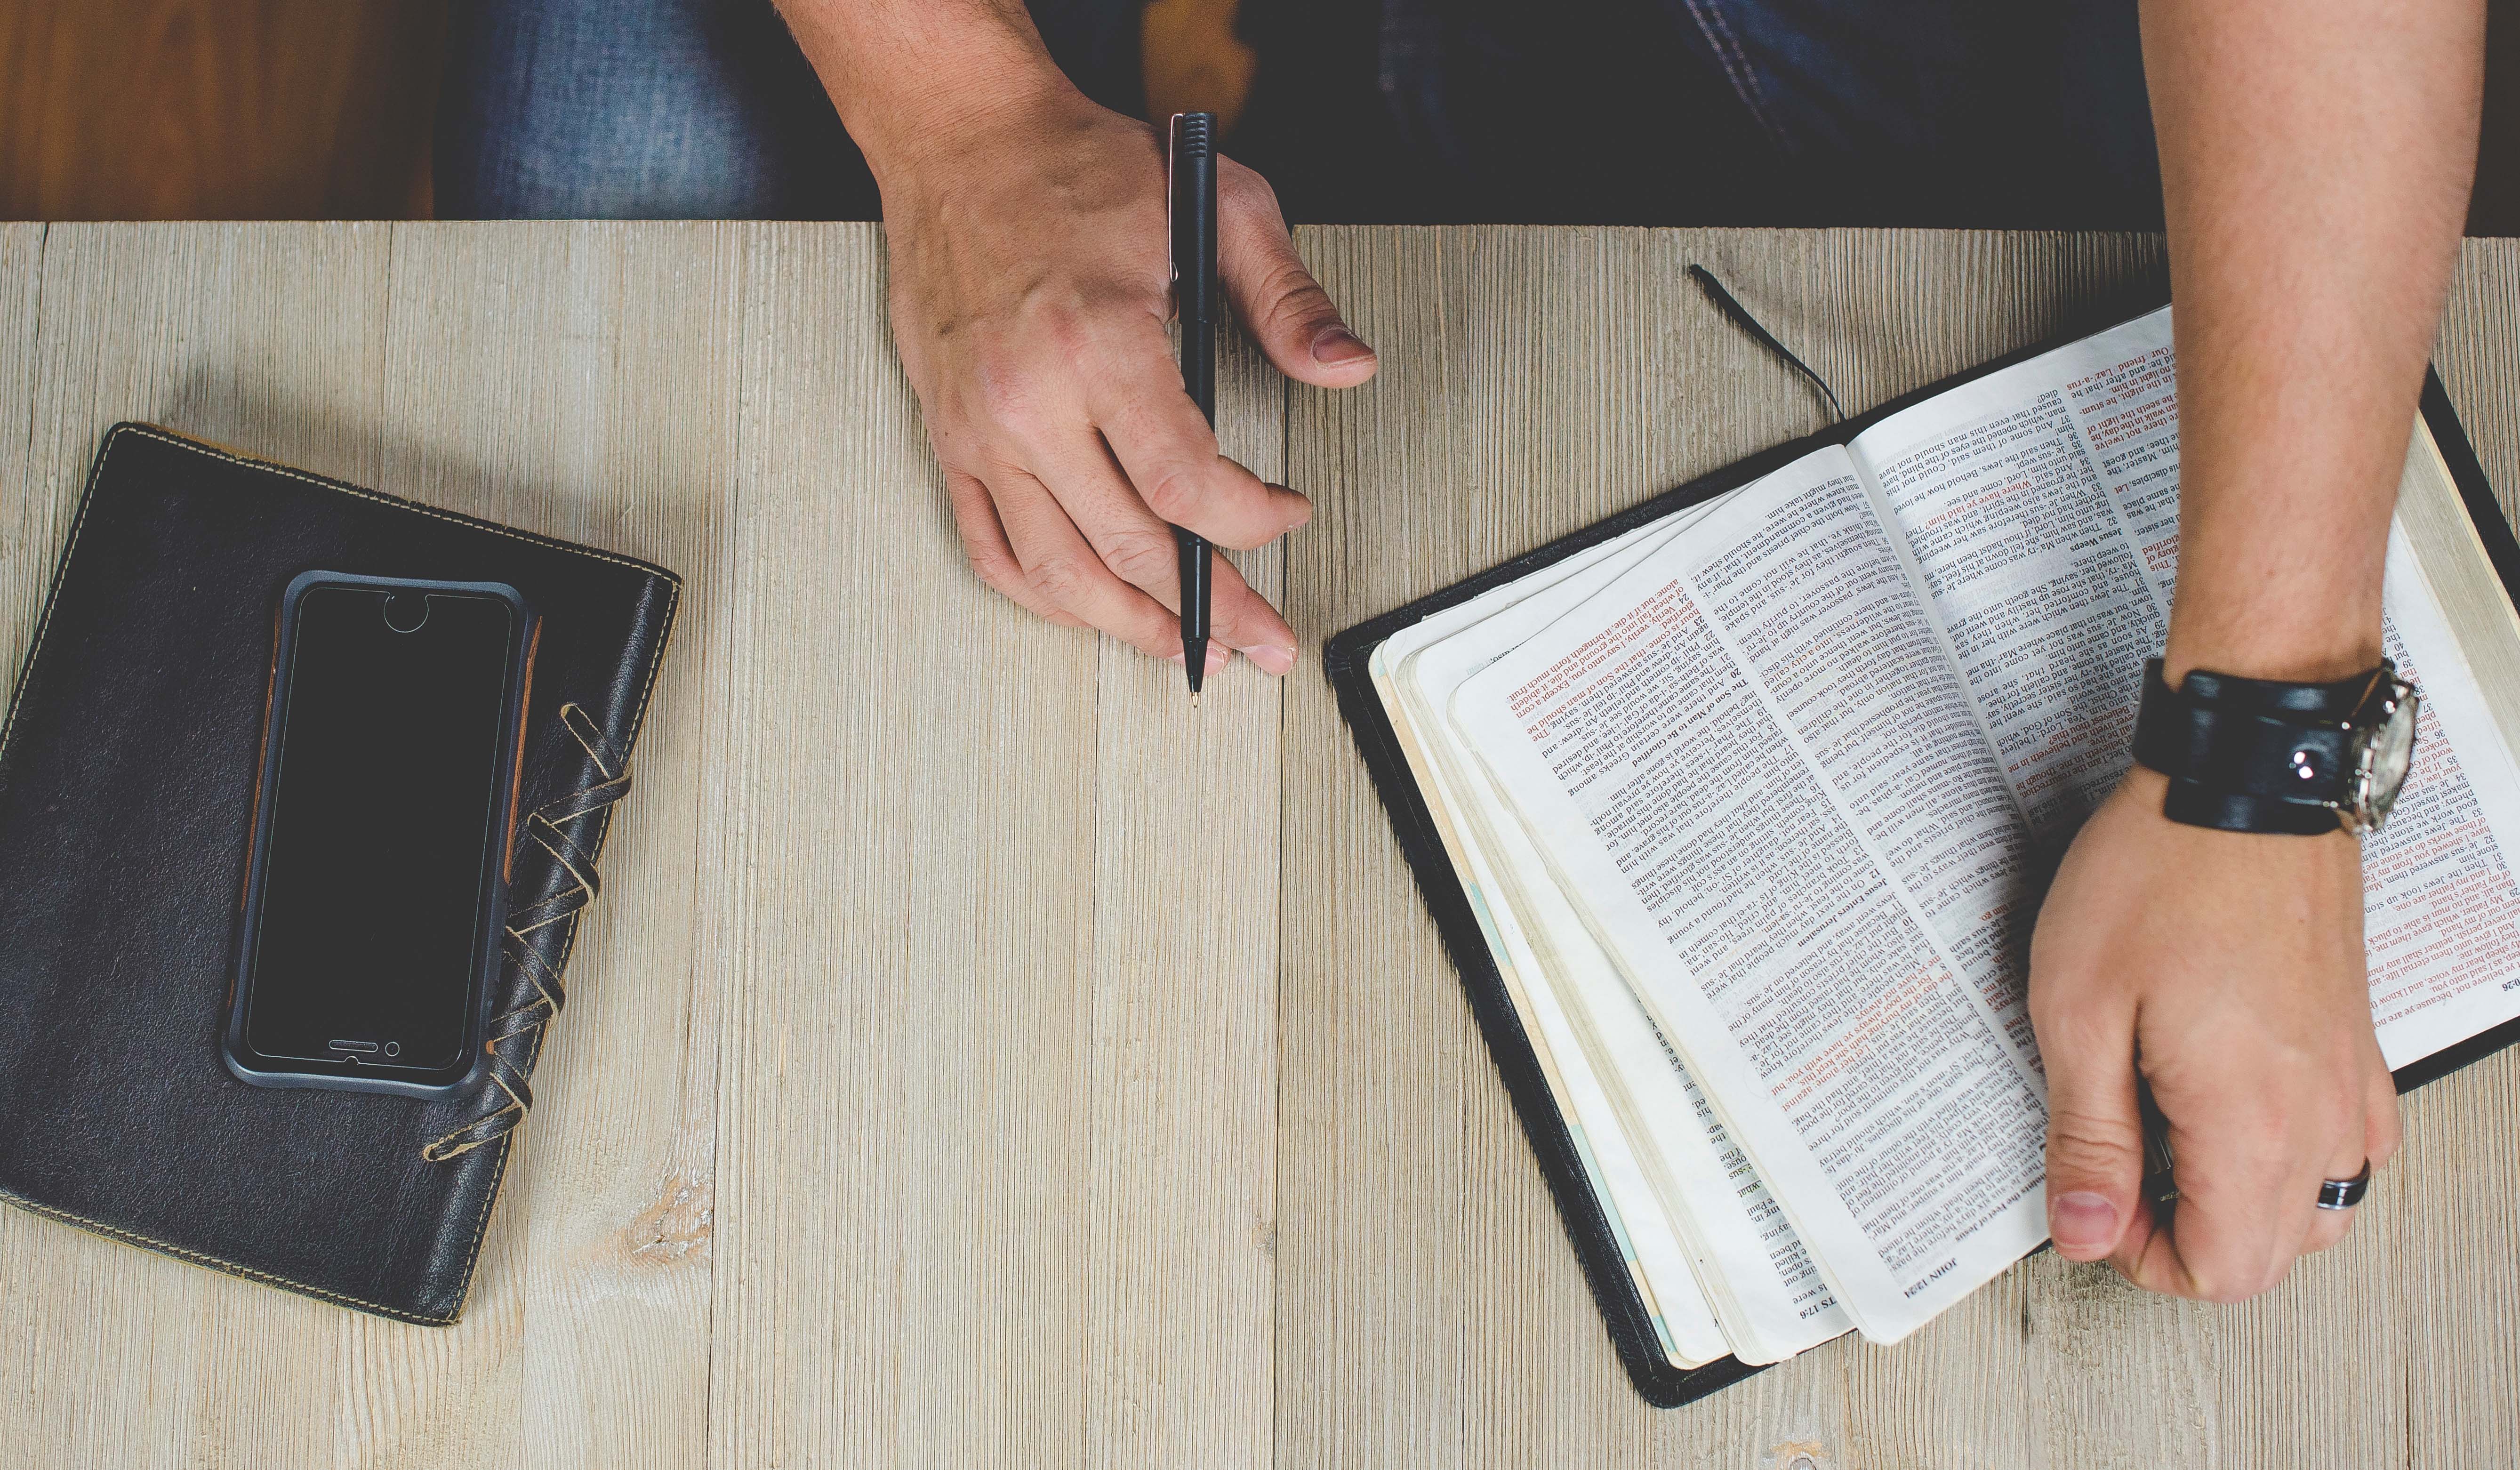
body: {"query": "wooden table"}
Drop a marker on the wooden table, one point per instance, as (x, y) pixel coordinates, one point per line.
(904, 1114)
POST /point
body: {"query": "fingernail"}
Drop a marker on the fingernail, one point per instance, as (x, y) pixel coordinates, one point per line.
(1338, 346)
(1272, 657)
(2083, 1222)
(1217, 654)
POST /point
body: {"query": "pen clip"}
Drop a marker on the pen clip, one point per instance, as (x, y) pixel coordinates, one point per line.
(1172, 184)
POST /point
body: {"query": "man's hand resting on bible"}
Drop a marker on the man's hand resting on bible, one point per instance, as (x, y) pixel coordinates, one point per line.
(1031, 282)
(2227, 967)
(2313, 184)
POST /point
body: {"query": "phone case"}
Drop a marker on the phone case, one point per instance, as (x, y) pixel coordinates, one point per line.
(249, 1066)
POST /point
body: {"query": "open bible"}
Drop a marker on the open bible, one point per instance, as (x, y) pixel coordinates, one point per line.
(1753, 803)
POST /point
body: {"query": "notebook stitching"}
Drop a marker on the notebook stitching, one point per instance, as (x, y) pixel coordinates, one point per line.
(507, 1146)
(220, 1262)
(52, 599)
(569, 946)
(581, 867)
(391, 501)
(482, 1221)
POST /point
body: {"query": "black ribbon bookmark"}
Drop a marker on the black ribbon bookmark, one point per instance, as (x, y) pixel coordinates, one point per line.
(1739, 316)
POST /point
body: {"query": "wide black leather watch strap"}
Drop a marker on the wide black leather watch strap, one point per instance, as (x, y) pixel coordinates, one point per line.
(2199, 804)
(2249, 755)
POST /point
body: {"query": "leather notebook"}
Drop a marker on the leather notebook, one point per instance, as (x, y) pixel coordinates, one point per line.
(1568, 1162)
(127, 789)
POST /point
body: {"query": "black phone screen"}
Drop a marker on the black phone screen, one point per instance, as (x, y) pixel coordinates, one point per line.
(393, 723)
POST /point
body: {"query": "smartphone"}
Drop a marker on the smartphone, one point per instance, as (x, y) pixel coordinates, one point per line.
(384, 825)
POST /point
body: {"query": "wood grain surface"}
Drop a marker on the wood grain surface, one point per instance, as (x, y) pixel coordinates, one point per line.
(980, 1059)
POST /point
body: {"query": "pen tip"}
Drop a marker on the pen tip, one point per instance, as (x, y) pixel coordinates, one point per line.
(1193, 698)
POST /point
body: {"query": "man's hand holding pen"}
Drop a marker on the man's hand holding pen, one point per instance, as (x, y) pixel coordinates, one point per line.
(1031, 285)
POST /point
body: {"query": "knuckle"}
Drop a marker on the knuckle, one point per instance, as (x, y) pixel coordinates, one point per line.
(968, 503)
(994, 567)
(1070, 338)
(974, 527)
(1019, 387)
(2227, 1286)
(2386, 1137)
(2056, 987)
(1240, 187)
(1295, 299)
(1174, 492)
(1008, 396)
(2262, 1125)
(2316, 1125)
(1010, 588)
(1062, 580)
(983, 557)
(2065, 1021)
(2265, 1143)
(1141, 558)
(2085, 1143)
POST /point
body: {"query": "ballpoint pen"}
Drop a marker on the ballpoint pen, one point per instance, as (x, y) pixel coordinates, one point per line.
(1191, 203)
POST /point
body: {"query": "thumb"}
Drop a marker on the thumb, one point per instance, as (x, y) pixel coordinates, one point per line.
(2095, 1136)
(1284, 309)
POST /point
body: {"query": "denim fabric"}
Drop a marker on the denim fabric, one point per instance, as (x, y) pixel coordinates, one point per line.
(1999, 112)
(1951, 102)
(1572, 111)
(680, 110)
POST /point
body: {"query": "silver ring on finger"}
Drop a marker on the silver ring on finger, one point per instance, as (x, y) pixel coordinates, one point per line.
(2344, 1194)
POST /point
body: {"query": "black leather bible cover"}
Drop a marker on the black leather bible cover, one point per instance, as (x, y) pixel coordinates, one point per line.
(1344, 662)
(127, 767)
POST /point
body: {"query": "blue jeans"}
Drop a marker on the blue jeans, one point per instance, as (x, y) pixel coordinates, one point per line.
(681, 109)
(1994, 112)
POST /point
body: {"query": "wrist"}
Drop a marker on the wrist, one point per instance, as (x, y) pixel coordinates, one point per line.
(2314, 636)
(915, 92)
(2279, 575)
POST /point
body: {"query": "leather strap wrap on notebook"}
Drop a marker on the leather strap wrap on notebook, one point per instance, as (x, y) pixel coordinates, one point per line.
(127, 767)
(556, 880)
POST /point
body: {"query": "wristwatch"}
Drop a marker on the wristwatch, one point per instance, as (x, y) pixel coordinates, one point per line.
(2257, 755)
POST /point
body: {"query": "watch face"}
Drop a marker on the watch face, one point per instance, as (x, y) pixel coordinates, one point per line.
(2388, 747)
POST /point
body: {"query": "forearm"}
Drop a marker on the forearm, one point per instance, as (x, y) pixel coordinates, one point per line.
(901, 70)
(2315, 157)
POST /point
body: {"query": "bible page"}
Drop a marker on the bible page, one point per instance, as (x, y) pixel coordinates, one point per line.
(2441, 917)
(2020, 534)
(2442, 910)
(1734, 853)
(2040, 505)
(1765, 1289)
(1658, 1256)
